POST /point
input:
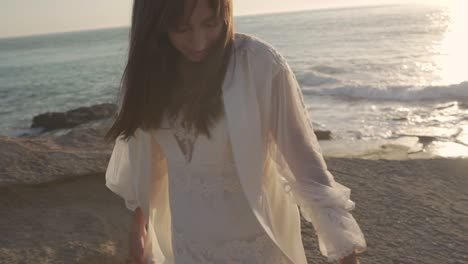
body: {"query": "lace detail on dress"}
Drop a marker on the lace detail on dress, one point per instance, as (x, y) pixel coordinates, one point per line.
(185, 138)
(257, 249)
(205, 187)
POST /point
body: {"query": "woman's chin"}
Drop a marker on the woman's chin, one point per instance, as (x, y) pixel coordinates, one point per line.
(196, 58)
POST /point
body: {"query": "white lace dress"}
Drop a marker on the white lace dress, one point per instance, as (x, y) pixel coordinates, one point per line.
(211, 219)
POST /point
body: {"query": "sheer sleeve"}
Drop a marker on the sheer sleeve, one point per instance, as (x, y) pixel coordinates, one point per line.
(130, 167)
(322, 201)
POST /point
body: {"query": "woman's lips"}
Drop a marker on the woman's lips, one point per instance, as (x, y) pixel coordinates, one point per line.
(199, 53)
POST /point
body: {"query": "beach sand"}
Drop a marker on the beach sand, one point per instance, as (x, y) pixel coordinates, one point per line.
(410, 211)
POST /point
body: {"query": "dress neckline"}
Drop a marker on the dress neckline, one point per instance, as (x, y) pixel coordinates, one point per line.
(186, 140)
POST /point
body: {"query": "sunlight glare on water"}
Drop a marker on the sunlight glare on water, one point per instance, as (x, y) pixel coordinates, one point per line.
(451, 58)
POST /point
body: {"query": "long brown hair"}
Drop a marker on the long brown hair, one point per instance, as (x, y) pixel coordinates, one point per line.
(151, 85)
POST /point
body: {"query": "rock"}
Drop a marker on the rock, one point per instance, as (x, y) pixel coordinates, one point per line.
(58, 120)
(426, 140)
(80, 151)
(85, 136)
(323, 134)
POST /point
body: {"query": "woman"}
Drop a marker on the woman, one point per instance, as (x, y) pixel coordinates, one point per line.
(214, 150)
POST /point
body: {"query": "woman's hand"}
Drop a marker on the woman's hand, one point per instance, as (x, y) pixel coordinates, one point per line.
(350, 259)
(137, 237)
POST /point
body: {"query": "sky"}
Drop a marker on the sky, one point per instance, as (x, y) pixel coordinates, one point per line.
(32, 17)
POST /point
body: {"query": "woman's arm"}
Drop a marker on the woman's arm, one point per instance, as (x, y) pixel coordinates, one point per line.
(323, 201)
(130, 174)
(137, 236)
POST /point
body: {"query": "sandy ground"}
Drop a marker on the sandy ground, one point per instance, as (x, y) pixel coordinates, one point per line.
(411, 211)
(72, 221)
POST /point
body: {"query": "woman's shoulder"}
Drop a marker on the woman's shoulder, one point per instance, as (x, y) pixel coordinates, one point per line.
(258, 48)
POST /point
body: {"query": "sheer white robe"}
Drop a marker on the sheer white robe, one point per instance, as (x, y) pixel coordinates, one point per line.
(278, 160)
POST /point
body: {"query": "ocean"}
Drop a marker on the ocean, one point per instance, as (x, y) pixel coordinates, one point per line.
(374, 72)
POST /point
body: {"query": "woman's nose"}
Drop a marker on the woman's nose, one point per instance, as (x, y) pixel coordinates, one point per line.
(199, 41)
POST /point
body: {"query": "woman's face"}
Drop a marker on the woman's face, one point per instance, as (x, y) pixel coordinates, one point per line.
(194, 40)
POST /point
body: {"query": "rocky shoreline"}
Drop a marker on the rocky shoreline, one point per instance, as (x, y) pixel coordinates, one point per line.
(56, 208)
(404, 144)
